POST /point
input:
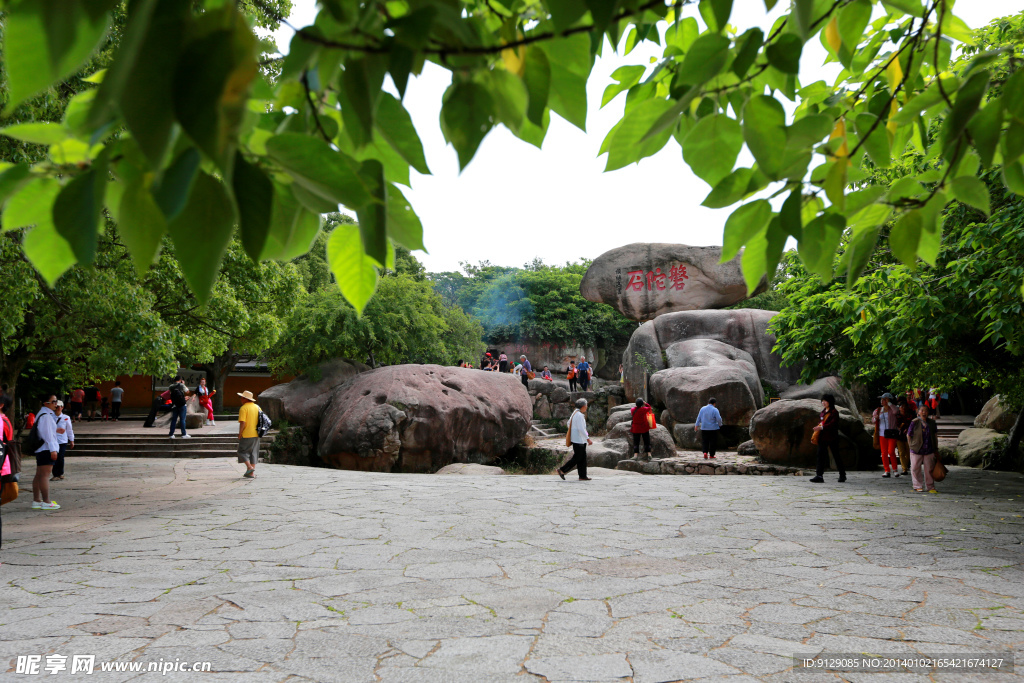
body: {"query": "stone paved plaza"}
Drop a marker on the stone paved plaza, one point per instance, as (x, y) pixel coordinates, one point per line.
(320, 575)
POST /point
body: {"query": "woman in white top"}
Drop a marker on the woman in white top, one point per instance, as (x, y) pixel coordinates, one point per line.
(580, 438)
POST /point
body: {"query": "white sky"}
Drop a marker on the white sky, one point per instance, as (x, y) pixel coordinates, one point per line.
(515, 202)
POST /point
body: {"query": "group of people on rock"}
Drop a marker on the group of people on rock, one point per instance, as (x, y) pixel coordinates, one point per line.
(580, 375)
(905, 431)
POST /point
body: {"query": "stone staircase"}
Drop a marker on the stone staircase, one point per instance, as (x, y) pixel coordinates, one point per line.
(539, 431)
(159, 446)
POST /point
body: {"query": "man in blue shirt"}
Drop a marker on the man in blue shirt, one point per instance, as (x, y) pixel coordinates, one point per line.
(709, 421)
(583, 373)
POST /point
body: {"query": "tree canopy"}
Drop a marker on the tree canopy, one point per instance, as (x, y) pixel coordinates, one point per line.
(184, 135)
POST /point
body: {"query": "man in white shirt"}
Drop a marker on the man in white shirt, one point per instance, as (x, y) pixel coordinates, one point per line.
(66, 439)
(580, 439)
(46, 455)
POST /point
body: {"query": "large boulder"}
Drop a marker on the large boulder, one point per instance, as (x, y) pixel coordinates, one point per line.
(419, 418)
(745, 329)
(733, 384)
(470, 468)
(979, 447)
(662, 445)
(303, 400)
(195, 416)
(781, 431)
(825, 385)
(996, 415)
(729, 436)
(643, 281)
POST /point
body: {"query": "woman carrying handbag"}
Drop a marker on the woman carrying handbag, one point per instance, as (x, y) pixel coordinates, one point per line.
(640, 427)
(825, 435)
(923, 435)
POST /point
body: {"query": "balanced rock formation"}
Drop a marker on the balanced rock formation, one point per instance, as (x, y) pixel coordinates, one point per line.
(303, 400)
(995, 415)
(744, 329)
(419, 418)
(782, 432)
(643, 281)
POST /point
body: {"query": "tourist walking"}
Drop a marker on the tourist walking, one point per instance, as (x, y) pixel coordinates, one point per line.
(116, 396)
(708, 422)
(933, 400)
(525, 371)
(828, 434)
(179, 406)
(206, 399)
(571, 375)
(77, 402)
(885, 418)
(92, 400)
(65, 438)
(923, 435)
(583, 373)
(248, 436)
(580, 439)
(640, 427)
(46, 455)
(904, 416)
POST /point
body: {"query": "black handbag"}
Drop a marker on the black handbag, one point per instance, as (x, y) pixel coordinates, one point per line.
(891, 433)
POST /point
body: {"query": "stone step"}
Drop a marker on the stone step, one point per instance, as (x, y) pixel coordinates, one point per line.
(198, 453)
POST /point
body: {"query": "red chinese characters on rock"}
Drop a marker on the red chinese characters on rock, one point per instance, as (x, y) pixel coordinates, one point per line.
(656, 280)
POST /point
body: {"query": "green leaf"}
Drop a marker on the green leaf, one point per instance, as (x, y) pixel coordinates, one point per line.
(31, 205)
(628, 144)
(905, 237)
(404, 225)
(705, 58)
(821, 238)
(762, 253)
(1013, 95)
(76, 211)
(510, 97)
(373, 216)
(626, 77)
(201, 234)
(601, 12)
(565, 13)
(808, 131)
(971, 191)
(1013, 176)
(747, 47)
(1013, 142)
(964, 107)
(44, 42)
(361, 87)
(803, 12)
(729, 190)
(764, 131)
(985, 128)
(681, 34)
(12, 179)
(784, 53)
(292, 228)
(861, 199)
(876, 141)
(835, 183)
(211, 84)
(537, 76)
(852, 20)
(931, 96)
(859, 249)
(38, 133)
(254, 197)
(570, 61)
(790, 218)
(354, 271)
(742, 225)
(395, 126)
(141, 224)
(912, 7)
(171, 190)
(931, 229)
(323, 171)
(48, 252)
(466, 118)
(712, 146)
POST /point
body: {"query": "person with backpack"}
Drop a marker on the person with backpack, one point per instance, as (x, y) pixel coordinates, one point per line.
(43, 442)
(252, 424)
(583, 373)
(179, 405)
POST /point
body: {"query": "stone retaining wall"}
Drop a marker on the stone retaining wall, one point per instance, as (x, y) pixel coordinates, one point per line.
(683, 466)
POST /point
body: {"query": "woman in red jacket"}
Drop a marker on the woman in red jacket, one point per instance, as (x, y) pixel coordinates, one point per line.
(640, 428)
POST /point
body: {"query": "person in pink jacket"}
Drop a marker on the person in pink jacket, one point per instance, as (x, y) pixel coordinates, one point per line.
(884, 419)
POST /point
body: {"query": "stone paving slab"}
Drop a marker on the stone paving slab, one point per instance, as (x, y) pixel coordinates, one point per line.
(318, 575)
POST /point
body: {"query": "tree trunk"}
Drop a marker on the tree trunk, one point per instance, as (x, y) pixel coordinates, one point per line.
(1012, 456)
(10, 371)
